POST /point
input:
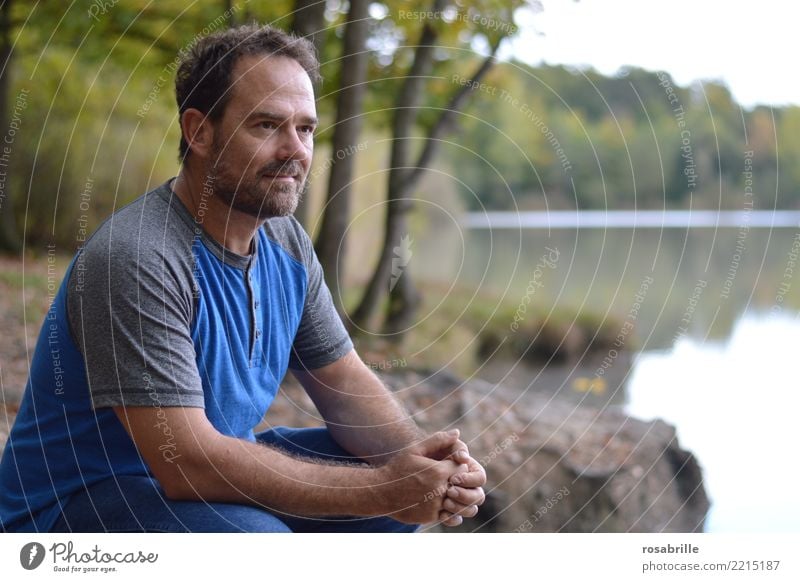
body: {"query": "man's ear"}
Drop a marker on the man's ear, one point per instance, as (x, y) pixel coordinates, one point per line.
(198, 131)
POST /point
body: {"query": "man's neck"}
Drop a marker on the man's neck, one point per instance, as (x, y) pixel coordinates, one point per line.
(231, 228)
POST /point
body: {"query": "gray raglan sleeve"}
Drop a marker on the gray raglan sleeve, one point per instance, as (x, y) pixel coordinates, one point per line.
(321, 338)
(130, 313)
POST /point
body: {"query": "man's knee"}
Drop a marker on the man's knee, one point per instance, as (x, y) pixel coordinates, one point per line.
(228, 518)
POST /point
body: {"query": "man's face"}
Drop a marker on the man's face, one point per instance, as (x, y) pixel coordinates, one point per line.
(263, 144)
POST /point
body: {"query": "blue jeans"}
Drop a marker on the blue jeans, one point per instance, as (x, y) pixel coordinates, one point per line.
(137, 503)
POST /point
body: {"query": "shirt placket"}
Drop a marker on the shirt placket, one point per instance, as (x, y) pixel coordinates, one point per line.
(256, 332)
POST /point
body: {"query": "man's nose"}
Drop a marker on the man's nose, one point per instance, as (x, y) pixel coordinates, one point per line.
(291, 146)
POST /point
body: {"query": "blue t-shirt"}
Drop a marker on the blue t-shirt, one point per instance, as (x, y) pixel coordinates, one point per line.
(154, 312)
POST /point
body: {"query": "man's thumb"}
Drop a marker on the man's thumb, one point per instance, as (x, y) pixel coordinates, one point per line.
(438, 441)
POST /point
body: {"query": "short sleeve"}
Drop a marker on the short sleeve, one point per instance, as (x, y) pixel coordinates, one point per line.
(321, 337)
(130, 312)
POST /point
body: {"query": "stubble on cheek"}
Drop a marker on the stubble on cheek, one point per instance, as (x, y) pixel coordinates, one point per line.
(255, 193)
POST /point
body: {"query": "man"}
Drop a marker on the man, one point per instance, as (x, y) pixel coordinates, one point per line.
(175, 324)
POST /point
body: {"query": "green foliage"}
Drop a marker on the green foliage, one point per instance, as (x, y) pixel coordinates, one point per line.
(536, 131)
(466, 30)
(82, 151)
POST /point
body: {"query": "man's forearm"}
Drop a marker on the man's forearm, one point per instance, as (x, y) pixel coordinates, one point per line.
(376, 429)
(362, 415)
(237, 471)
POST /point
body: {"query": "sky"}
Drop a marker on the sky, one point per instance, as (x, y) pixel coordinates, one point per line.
(751, 46)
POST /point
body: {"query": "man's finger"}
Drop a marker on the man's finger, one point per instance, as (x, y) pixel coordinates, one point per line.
(460, 452)
(473, 478)
(457, 508)
(448, 519)
(472, 496)
(438, 442)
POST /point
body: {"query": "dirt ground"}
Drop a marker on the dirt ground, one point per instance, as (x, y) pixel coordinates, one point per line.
(27, 286)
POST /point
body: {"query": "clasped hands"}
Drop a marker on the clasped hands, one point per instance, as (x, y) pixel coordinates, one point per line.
(464, 491)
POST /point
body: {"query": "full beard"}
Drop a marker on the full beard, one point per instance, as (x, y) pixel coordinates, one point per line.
(258, 196)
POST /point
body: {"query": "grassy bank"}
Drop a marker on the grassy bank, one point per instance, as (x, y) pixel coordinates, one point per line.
(458, 328)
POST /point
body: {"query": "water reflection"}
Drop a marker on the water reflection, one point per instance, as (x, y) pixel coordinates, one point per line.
(734, 404)
(600, 272)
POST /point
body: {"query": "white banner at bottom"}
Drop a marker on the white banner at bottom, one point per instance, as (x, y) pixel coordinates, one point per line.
(371, 557)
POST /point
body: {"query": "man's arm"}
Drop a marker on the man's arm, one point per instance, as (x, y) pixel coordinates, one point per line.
(361, 414)
(206, 465)
(365, 418)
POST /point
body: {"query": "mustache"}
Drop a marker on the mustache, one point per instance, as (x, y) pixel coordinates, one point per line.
(287, 168)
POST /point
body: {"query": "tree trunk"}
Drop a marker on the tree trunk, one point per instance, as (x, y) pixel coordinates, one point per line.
(230, 17)
(9, 236)
(404, 299)
(395, 229)
(402, 126)
(331, 244)
(309, 22)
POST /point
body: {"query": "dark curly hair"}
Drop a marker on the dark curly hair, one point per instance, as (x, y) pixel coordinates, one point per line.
(203, 80)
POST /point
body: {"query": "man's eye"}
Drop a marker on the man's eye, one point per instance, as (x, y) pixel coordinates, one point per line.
(268, 124)
(307, 129)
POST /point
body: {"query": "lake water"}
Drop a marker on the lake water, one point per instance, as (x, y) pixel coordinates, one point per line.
(734, 403)
(713, 301)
